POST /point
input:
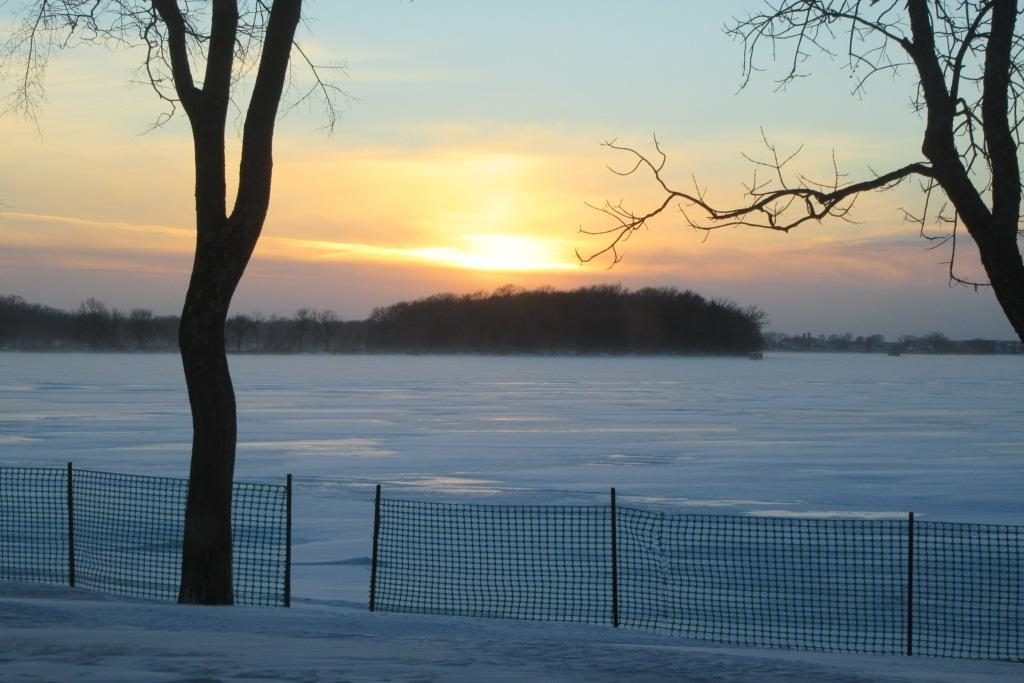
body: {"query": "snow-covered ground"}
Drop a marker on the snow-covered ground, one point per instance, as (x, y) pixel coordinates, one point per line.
(55, 634)
(799, 434)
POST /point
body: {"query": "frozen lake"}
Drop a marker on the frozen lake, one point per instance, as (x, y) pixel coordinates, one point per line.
(799, 434)
(942, 435)
(794, 434)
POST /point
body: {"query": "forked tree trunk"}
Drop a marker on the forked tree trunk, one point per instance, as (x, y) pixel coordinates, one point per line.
(995, 228)
(999, 243)
(224, 244)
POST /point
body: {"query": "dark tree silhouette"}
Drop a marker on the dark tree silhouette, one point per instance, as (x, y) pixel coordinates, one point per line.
(968, 61)
(327, 325)
(141, 326)
(606, 319)
(241, 325)
(193, 54)
(659, 320)
(24, 325)
(97, 324)
(305, 319)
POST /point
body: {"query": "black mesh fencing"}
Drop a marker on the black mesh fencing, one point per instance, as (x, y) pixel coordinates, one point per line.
(968, 590)
(128, 532)
(859, 586)
(261, 538)
(33, 525)
(829, 585)
(122, 534)
(542, 563)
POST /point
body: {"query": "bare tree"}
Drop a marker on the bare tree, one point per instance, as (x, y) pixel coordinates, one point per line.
(97, 324)
(327, 324)
(305, 323)
(968, 60)
(142, 327)
(193, 55)
(239, 326)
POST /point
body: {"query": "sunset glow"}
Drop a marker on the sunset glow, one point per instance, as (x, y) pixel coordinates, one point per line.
(500, 253)
(456, 168)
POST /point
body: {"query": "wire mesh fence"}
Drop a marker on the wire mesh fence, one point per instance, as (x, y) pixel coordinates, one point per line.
(33, 525)
(122, 534)
(829, 585)
(969, 590)
(863, 586)
(494, 561)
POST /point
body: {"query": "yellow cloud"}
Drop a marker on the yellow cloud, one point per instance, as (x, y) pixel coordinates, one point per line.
(66, 234)
(491, 252)
(71, 239)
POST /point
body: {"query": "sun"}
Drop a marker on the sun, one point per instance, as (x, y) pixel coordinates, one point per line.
(500, 253)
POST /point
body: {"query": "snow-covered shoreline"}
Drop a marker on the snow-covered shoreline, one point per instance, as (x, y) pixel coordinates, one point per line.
(61, 634)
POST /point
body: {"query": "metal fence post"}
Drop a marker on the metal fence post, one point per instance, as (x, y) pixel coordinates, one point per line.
(288, 543)
(615, 563)
(910, 584)
(71, 528)
(373, 560)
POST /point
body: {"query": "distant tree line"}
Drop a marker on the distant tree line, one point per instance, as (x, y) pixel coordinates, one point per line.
(309, 330)
(93, 326)
(606, 319)
(933, 342)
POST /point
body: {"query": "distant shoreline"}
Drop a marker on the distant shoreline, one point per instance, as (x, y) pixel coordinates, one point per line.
(591, 321)
(525, 354)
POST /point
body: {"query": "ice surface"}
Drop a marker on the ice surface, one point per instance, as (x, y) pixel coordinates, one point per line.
(853, 434)
(822, 435)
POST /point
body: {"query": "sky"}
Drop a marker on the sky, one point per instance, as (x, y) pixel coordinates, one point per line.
(466, 155)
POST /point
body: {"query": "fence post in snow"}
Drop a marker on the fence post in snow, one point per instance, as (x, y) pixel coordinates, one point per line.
(910, 584)
(615, 564)
(373, 560)
(71, 529)
(288, 543)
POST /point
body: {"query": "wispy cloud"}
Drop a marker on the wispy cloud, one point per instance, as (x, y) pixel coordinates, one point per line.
(80, 239)
(501, 253)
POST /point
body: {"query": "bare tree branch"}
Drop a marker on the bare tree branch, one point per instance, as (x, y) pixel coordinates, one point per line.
(968, 60)
(775, 204)
(173, 37)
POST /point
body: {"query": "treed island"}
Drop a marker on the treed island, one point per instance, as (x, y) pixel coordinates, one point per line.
(510, 320)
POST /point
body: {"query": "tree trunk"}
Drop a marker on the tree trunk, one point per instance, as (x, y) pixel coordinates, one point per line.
(206, 575)
(1001, 257)
(224, 245)
(995, 229)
